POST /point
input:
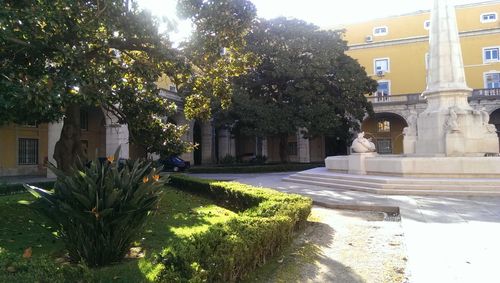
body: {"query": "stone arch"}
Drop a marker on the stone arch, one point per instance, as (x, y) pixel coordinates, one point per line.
(386, 131)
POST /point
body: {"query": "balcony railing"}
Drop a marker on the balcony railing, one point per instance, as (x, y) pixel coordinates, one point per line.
(415, 98)
(412, 98)
(493, 93)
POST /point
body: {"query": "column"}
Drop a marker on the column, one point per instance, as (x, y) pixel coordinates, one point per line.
(264, 147)
(227, 144)
(303, 147)
(117, 135)
(207, 139)
(54, 134)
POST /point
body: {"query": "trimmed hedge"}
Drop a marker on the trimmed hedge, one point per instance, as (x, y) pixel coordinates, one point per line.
(228, 251)
(269, 168)
(9, 189)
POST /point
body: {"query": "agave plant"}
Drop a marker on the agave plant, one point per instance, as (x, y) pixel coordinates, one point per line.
(100, 207)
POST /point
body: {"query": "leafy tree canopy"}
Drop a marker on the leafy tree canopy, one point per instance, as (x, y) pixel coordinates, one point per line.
(304, 81)
(216, 52)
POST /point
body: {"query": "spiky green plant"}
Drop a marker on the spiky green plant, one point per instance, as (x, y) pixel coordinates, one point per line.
(100, 208)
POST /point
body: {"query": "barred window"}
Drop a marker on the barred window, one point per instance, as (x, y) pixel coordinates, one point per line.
(384, 146)
(28, 152)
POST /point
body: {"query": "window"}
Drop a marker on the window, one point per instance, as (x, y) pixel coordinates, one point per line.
(488, 17)
(381, 64)
(427, 24)
(384, 146)
(28, 152)
(379, 31)
(492, 80)
(384, 126)
(383, 91)
(30, 125)
(491, 54)
(84, 120)
(292, 148)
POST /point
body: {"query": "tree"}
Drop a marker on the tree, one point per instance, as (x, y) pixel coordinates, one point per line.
(60, 55)
(216, 52)
(304, 81)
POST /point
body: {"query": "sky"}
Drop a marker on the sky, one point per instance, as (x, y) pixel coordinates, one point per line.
(324, 13)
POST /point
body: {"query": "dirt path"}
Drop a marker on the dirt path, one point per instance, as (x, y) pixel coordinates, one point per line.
(342, 246)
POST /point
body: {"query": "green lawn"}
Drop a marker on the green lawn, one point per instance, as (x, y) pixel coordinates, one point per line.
(180, 214)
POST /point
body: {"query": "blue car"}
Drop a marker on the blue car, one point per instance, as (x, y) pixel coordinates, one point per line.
(174, 163)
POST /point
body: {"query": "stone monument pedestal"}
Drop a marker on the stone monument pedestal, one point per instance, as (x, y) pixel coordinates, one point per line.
(409, 144)
(356, 162)
(445, 146)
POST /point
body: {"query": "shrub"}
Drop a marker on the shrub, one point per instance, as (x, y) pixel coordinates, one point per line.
(100, 208)
(249, 168)
(259, 159)
(226, 252)
(228, 159)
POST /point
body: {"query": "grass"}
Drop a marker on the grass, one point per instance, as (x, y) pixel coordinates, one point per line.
(22, 227)
(8, 189)
(180, 214)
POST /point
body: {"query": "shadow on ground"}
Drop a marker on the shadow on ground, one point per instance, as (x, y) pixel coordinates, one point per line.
(304, 260)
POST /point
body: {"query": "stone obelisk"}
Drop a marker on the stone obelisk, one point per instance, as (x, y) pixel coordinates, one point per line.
(448, 126)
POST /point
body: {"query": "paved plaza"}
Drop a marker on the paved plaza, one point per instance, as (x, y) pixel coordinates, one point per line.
(448, 239)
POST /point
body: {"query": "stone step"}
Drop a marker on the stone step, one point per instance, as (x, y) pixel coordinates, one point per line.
(401, 180)
(338, 181)
(331, 185)
(416, 184)
(425, 188)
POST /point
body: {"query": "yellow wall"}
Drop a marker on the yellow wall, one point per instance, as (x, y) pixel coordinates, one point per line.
(407, 72)
(406, 65)
(9, 136)
(413, 26)
(95, 137)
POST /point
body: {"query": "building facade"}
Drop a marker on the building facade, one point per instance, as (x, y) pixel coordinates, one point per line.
(394, 51)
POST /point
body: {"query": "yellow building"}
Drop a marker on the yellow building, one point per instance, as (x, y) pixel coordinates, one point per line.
(394, 51)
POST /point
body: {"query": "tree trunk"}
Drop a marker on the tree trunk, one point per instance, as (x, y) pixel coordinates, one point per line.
(69, 146)
(283, 148)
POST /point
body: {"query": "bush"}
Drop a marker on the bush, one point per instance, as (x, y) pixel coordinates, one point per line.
(14, 268)
(249, 168)
(259, 159)
(8, 189)
(99, 208)
(229, 251)
(228, 160)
